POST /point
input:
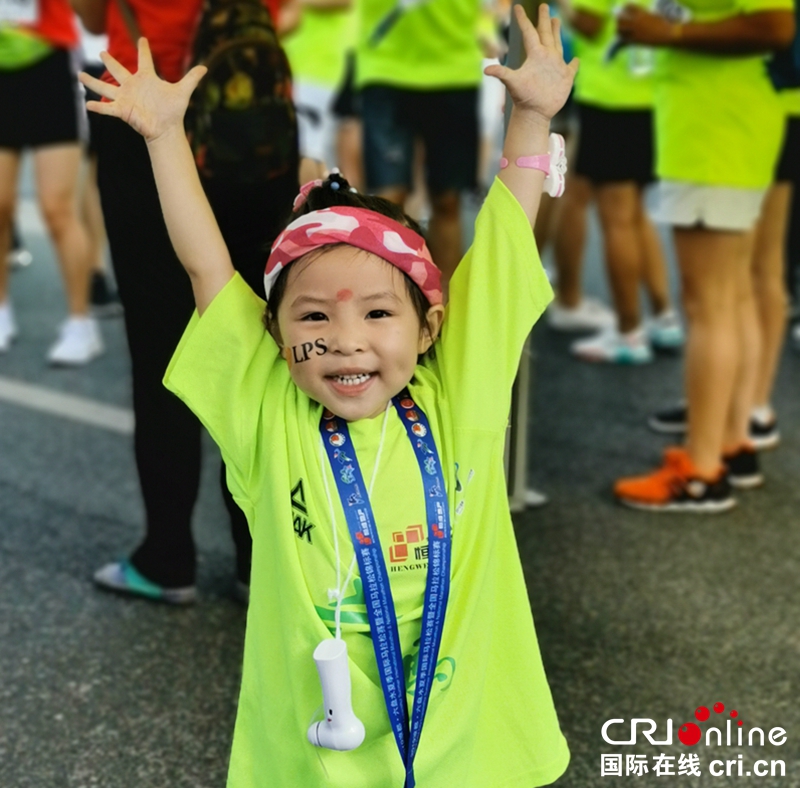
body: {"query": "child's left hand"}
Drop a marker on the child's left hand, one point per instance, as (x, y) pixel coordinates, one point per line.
(541, 86)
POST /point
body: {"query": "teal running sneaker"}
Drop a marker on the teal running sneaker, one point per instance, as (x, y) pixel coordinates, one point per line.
(665, 331)
(611, 347)
(123, 578)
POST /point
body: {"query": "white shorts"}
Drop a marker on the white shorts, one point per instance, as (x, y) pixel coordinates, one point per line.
(315, 121)
(682, 204)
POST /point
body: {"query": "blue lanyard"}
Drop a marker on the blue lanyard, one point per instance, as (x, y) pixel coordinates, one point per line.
(375, 578)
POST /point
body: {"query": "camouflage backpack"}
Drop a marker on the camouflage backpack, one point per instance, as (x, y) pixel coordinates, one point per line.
(241, 121)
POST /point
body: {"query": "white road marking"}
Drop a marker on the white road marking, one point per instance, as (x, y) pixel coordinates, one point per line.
(67, 406)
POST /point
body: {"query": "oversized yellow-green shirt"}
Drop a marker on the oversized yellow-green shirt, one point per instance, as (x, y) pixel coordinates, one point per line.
(790, 99)
(491, 721)
(719, 122)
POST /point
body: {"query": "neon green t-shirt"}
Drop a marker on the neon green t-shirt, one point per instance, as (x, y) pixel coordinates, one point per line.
(719, 122)
(790, 100)
(317, 48)
(433, 45)
(624, 82)
(490, 720)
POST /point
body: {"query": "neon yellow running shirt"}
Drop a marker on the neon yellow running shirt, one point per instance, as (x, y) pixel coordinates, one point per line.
(491, 720)
(433, 45)
(719, 122)
(317, 49)
(626, 81)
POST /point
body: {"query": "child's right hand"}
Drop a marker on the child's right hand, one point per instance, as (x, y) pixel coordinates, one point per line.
(541, 85)
(143, 100)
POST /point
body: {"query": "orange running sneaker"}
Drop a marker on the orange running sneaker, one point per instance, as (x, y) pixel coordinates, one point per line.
(676, 487)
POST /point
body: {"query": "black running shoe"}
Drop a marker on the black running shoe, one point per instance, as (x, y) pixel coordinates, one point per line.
(671, 421)
(764, 436)
(105, 301)
(743, 468)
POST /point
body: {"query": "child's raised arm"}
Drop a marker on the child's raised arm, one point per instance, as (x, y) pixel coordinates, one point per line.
(539, 88)
(155, 109)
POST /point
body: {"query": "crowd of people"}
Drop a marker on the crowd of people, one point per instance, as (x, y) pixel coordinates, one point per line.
(335, 131)
(673, 97)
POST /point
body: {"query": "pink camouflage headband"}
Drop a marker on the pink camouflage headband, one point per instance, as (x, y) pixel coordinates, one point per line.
(364, 229)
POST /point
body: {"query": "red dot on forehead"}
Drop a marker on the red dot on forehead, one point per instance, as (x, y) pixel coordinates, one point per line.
(344, 295)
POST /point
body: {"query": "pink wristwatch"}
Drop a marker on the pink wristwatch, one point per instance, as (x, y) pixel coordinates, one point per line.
(553, 164)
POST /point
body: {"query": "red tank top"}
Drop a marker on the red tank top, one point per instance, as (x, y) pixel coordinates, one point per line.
(168, 25)
(56, 24)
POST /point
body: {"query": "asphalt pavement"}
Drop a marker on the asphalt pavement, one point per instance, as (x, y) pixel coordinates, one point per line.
(638, 615)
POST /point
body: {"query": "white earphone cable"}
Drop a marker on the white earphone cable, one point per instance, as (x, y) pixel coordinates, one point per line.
(340, 588)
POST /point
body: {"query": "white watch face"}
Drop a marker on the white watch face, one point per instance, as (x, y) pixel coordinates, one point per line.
(674, 11)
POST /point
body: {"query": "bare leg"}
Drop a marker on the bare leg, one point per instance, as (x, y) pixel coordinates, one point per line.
(570, 239)
(396, 194)
(737, 428)
(620, 206)
(654, 270)
(92, 216)
(310, 170)
(444, 236)
(350, 151)
(57, 169)
(417, 202)
(770, 287)
(546, 220)
(9, 171)
(709, 263)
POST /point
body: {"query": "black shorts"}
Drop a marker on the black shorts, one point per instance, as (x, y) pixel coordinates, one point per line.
(95, 70)
(615, 145)
(445, 120)
(565, 120)
(789, 164)
(42, 104)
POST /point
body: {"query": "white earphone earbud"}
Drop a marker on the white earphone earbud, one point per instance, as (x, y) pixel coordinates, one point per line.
(341, 729)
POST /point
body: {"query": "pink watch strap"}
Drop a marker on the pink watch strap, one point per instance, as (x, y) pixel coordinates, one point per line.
(553, 165)
(541, 162)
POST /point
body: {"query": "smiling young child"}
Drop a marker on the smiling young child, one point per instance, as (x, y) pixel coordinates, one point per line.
(350, 439)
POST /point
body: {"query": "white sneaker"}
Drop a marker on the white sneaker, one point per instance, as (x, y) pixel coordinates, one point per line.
(665, 331)
(19, 258)
(8, 328)
(78, 343)
(589, 315)
(612, 347)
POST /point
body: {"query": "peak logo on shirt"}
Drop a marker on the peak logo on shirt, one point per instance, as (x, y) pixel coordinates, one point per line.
(408, 549)
(302, 525)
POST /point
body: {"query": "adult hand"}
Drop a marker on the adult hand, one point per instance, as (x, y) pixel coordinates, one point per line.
(143, 100)
(637, 26)
(541, 86)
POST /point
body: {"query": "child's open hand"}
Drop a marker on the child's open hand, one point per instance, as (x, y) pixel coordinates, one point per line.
(143, 100)
(542, 84)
